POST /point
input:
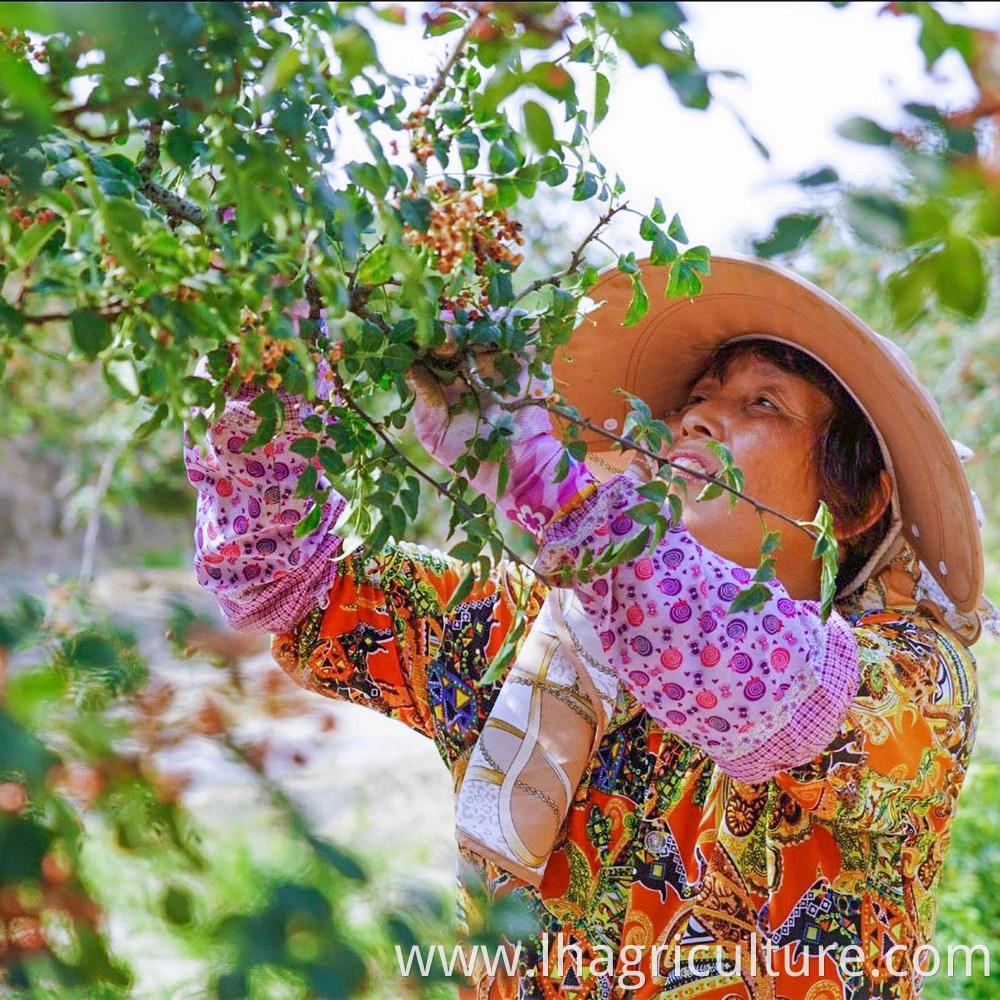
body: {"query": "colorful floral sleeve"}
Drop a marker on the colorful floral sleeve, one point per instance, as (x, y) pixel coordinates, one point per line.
(246, 552)
(387, 641)
(898, 760)
(759, 691)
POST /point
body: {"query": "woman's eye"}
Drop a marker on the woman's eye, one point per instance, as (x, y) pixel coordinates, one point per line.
(766, 402)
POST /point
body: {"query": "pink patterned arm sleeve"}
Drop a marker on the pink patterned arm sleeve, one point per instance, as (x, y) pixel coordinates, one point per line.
(263, 577)
(533, 498)
(759, 691)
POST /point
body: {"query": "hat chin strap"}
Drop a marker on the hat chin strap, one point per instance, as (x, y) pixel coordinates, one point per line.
(881, 557)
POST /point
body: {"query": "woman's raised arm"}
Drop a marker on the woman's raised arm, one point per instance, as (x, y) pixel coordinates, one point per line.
(246, 553)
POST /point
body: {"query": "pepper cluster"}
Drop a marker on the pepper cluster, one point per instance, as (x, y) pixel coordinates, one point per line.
(464, 233)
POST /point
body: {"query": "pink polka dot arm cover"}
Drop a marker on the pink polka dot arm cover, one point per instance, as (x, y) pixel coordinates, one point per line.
(263, 577)
(758, 691)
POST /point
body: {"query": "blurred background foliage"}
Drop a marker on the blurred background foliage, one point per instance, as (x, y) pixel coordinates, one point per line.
(170, 807)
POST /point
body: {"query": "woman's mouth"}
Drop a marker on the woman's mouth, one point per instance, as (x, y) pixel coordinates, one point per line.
(689, 465)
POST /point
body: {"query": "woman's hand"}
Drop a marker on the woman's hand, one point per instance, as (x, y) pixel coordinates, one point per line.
(448, 425)
(449, 420)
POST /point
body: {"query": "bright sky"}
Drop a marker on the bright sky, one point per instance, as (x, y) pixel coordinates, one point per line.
(807, 67)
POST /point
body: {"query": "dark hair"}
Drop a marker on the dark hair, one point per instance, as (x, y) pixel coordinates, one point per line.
(847, 454)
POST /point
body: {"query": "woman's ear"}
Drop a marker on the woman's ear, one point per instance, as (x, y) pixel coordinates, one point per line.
(881, 500)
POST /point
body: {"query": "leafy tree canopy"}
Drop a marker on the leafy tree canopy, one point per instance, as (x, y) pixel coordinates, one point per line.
(173, 188)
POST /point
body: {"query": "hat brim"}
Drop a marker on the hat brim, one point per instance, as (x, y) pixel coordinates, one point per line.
(658, 358)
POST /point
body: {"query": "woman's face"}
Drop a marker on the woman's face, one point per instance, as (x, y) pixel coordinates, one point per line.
(771, 421)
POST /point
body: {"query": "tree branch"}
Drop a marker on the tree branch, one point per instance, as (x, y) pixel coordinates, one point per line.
(441, 488)
(67, 116)
(577, 257)
(175, 206)
(442, 78)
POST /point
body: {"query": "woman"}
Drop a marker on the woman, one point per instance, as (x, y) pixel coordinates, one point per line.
(695, 802)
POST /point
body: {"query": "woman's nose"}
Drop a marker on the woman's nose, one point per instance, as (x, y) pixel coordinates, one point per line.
(701, 419)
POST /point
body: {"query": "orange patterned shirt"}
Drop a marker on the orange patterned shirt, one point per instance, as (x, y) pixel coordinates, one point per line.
(673, 880)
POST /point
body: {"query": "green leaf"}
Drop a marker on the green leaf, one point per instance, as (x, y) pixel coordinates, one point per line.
(685, 280)
(91, 332)
(721, 452)
(908, 289)
(753, 598)
(503, 158)
(818, 178)
(765, 571)
(663, 251)
(452, 113)
(926, 222)
(24, 88)
(639, 305)
(876, 219)
(655, 490)
(866, 131)
(553, 172)
(32, 240)
(692, 88)
(553, 80)
(627, 264)
(281, 70)
(771, 542)
(416, 213)
(788, 234)
(468, 149)
(988, 213)
(676, 508)
(827, 550)
(562, 468)
(409, 497)
(177, 906)
(332, 463)
(676, 230)
(462, 590)
(156, 420)
(658, 214)
(304, 446)
(710, 492)
(649, 230)
(368, 176)
(341, 861)
(602, 91)
(585, 186)
(442, 22)
(310, 522)
(962, 277)
(645, 512)
(377, 267)
(938, 35)
(500, 663)
(538, 126)
(307, 482)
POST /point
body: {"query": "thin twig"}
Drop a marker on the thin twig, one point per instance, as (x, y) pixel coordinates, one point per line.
(94, 517)
(278, 797)
(67, 116)
(110, 312)
(442, 78)
(577, 257)
(443, 490)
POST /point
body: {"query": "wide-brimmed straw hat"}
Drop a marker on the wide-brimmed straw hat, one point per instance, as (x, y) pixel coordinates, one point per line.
(659, 358)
